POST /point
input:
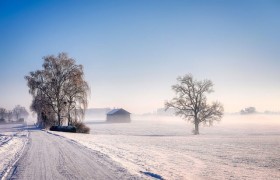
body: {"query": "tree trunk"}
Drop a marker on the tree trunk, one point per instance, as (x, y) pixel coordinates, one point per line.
(69, 119)
(196, 130)
(58, 116)
(196, 124)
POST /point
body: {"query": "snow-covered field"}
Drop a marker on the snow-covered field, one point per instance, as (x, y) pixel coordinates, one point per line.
(239, 147)
(12, 141)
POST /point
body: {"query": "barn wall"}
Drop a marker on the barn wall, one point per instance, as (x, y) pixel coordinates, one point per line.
(118, 118)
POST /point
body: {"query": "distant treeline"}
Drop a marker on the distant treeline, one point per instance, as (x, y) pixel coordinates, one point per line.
(16, 114)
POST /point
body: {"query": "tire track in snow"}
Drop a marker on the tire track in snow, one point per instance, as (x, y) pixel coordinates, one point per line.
(22, 135)
(54, 157)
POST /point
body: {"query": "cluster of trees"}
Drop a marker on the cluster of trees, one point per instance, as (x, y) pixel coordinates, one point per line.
(190, 102)
(248, 110)
(59, 91)
(17, 114)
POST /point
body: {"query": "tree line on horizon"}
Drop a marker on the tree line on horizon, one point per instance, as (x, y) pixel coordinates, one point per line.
(18, 113)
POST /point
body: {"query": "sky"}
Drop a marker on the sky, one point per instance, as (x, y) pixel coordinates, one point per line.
(133, 51)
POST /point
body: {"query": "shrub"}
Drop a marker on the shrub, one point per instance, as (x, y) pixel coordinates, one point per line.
(2, 120)
(63, 128)
(21, 120)
(81, 128)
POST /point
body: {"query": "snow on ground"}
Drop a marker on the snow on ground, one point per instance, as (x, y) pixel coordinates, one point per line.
(47, 156)
(239, 147)
(12, 141)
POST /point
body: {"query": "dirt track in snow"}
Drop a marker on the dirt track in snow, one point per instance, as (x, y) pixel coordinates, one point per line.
(48, 156)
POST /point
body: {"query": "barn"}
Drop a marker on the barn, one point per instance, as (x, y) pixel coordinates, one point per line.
(118, 116)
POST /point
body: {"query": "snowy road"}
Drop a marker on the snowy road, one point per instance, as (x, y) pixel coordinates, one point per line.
(13, 138)
(48, 156)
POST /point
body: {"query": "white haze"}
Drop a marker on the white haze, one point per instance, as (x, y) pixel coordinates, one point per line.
(170, 125)
(238, 147)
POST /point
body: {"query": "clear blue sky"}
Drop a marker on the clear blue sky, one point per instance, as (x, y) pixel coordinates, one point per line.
(132, 51)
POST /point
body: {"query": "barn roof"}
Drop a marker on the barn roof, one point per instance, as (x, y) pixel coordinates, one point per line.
(118, 111)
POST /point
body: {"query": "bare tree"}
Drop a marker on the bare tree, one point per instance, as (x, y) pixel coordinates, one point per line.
(19, 112)
(248, 110)
(190, 102)
(3, 112)
(58, 88)
(10, 115)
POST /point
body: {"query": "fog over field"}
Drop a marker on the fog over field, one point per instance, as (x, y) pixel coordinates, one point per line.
(238, 147)
(171, 125)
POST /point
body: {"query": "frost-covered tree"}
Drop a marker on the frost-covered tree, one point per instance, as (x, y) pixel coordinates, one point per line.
(58, 88)
(20, 112)
(10, 115)
(45, 114)
(76, 93)
(248, 110)
(3, 112)
(190, 102)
